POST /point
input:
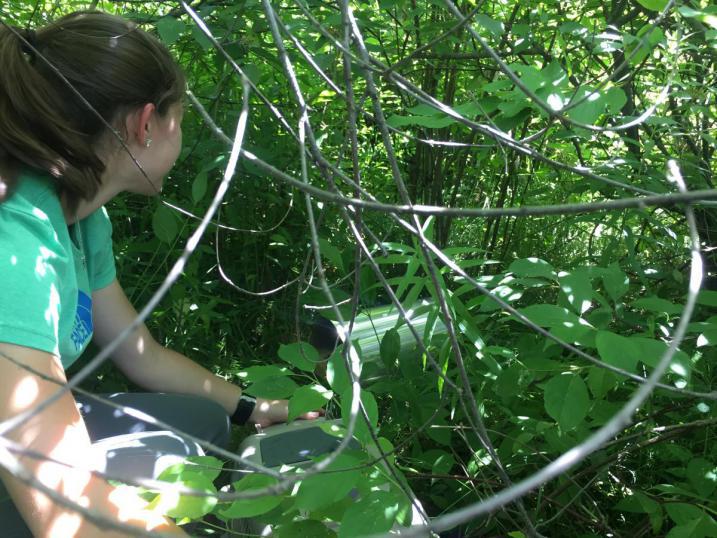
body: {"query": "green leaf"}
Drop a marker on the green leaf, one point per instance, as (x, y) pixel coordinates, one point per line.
(201, 38)
(431, 122)
(206, 466)
(369, 403)
(650, 351)
(564, 324)
(307, 528)
(638, 503)
(615, 99)
(494, 27)
(591, 107)
(390, 347)
(443, 464)
(702, 475)
(300, 355)
(617, 350)
(258, 373)
(707, 17)
(687, 530)
(272, 387)
(331, 253)
(683, 513)
(601, 381)
(567, 400)
(616, 282)
(653, 5)
(165, 224)
(252, 507)
(307, 398)
(577, 289)
(336, 373)
(374, 514)
(708, 337)
(548, 315)
(326, 488)
(175, 505)
(655, 304)
(707, 298)
(170, 28)
(637, 48)
(199, 186)
(532, 267)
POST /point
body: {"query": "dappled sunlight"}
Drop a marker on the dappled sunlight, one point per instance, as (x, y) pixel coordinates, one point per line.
(71, 448)
(52, 316)
(248, 452)
(140, 345)
(66, 524)
(25, 394)
(129, 504)
(678, 368)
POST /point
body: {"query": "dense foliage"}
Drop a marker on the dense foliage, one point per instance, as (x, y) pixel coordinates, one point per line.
(603, 90)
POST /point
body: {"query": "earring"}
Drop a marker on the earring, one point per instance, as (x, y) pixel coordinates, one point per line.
(147, 142)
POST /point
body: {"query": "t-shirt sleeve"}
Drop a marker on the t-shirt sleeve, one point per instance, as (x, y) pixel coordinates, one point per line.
(97, 228)
(32, 264)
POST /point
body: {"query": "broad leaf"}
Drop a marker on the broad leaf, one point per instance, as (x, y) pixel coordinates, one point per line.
(374, 514)
(390, 347)
(577, 289)
(256, 506)
(702, 475)
(326, 488)
(273, 387)
(369, 402)
(165, 224)
(307, 398)
(301, 355)
(175, 505)
(653, 5)
(170, 28)
(532, 267)
(618, 350)
(567, 400)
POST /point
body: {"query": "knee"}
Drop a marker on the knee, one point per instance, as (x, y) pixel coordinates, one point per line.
(216, 421)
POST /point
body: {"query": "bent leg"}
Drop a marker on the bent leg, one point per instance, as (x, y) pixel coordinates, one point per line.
(197, 416)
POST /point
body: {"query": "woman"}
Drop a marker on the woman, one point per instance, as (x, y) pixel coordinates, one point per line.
(61, 160)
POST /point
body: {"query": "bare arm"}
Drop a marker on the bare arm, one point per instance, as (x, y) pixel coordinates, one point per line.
(59, 432)
(160, 369)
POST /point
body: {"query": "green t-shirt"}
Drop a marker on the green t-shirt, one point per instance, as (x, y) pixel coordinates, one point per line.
(49, 271)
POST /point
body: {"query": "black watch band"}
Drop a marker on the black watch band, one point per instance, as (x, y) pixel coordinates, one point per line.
(244, 409)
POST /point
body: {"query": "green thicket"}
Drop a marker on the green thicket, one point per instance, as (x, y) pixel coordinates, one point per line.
(611, 283)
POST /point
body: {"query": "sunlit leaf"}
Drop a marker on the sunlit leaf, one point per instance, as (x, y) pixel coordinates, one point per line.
(374, 514)
(326, 488)
(567, 400)
(165, 224)
(307, 398)
(302, 355)
(256, 506)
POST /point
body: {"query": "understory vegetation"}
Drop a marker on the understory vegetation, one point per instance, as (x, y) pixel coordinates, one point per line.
(573, 111)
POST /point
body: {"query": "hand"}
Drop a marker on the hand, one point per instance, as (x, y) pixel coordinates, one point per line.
(268, 412)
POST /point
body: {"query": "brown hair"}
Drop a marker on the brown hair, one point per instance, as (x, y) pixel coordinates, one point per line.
(44, 124)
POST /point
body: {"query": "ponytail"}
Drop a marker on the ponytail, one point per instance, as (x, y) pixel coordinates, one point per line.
(44, 124)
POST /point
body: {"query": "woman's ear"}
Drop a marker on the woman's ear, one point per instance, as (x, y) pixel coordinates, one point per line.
(138, 123)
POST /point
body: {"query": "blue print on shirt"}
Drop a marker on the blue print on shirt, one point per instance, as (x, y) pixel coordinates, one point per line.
(82, 330)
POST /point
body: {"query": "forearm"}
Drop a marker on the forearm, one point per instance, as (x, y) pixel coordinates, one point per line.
(162, 370)
(165, 370)
(49, 520)
(59, 432)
